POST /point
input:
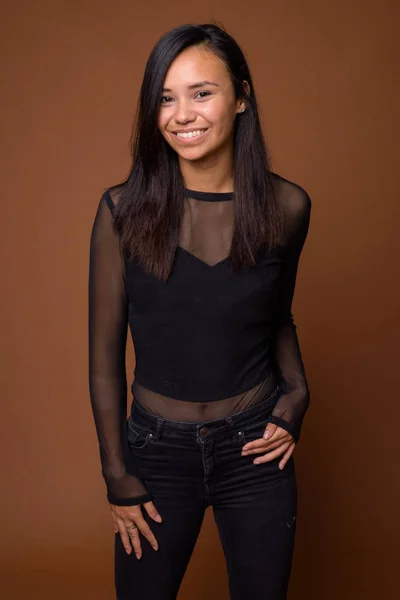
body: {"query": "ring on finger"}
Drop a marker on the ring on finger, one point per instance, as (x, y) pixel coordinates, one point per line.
(133, 526)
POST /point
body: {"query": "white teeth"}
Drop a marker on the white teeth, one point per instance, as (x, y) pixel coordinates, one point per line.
(191, 133)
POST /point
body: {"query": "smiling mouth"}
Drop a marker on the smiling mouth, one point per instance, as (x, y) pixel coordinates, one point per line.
(191, 135)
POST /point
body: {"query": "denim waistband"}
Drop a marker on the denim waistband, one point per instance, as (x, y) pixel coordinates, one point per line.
(155, 423)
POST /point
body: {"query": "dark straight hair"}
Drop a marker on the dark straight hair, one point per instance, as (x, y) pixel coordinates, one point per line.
(148, 214)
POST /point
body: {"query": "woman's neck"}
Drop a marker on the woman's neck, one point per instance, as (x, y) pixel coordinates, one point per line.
(214, 174)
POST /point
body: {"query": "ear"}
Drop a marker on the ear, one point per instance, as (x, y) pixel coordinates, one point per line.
(246, 87)
(241, 103)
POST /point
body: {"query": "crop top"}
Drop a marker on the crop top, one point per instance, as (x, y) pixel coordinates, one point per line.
(208, 342)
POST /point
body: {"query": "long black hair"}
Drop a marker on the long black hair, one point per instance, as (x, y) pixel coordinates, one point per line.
(148, 214)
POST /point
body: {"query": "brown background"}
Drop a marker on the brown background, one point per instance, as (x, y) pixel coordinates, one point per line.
(325, 74)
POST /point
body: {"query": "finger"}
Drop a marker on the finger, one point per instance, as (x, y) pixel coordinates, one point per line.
(152, 511)
(115, 524)
(147, 533)
(133, 534)
(271, 455)
(264, 447)
(287, 455)
(261, 444)
(269, 431)
(278, 435)
(124, 536)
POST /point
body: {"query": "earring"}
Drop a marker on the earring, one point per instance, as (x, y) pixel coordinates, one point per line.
(242, 111)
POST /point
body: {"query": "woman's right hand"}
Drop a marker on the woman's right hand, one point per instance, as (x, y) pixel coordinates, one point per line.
(126, 516)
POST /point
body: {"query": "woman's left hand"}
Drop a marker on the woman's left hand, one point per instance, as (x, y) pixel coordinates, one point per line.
(278, 442)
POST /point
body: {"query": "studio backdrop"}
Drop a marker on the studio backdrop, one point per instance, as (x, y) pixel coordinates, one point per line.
(326, 75)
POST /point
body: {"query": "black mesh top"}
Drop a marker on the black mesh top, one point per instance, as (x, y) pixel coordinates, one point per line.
(208, 342)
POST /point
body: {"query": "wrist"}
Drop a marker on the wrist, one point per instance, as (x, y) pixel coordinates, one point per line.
(114, 472)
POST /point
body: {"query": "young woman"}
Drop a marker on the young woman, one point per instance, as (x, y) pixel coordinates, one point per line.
(197, 251)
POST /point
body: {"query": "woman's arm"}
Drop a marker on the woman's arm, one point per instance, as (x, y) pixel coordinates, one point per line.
(108, 323)
(292, 405)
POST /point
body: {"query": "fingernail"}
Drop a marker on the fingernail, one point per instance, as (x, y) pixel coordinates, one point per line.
(266, 435)
(138, 556)
(158, 519)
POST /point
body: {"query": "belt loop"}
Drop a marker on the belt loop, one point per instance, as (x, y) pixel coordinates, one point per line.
(159, 426)
(230, 421)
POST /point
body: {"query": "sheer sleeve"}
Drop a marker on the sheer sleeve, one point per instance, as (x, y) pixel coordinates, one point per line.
(292, 405)
(108, 322)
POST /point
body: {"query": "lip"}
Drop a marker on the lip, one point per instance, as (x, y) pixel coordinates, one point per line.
(191, 140)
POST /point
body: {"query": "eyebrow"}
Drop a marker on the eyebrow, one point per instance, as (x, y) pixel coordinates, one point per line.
(195, 85)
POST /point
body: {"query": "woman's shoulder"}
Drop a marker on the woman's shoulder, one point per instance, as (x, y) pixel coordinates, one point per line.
(293, 197)
(111, 196)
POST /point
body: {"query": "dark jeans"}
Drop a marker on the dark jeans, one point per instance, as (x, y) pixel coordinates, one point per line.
(189, 466)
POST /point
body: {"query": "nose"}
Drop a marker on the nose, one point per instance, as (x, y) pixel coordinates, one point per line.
(184, 114)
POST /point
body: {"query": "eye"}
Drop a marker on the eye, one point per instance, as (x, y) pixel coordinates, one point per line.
(163, 99)
(206, 94)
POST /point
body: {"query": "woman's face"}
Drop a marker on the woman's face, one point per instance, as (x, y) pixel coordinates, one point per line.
(198, 96)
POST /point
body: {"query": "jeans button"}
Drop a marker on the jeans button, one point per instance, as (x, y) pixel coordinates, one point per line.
(203, 430)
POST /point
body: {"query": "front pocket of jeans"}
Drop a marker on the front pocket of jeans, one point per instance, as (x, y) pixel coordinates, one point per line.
(249, 433)
(138, 437)
(253, 432)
